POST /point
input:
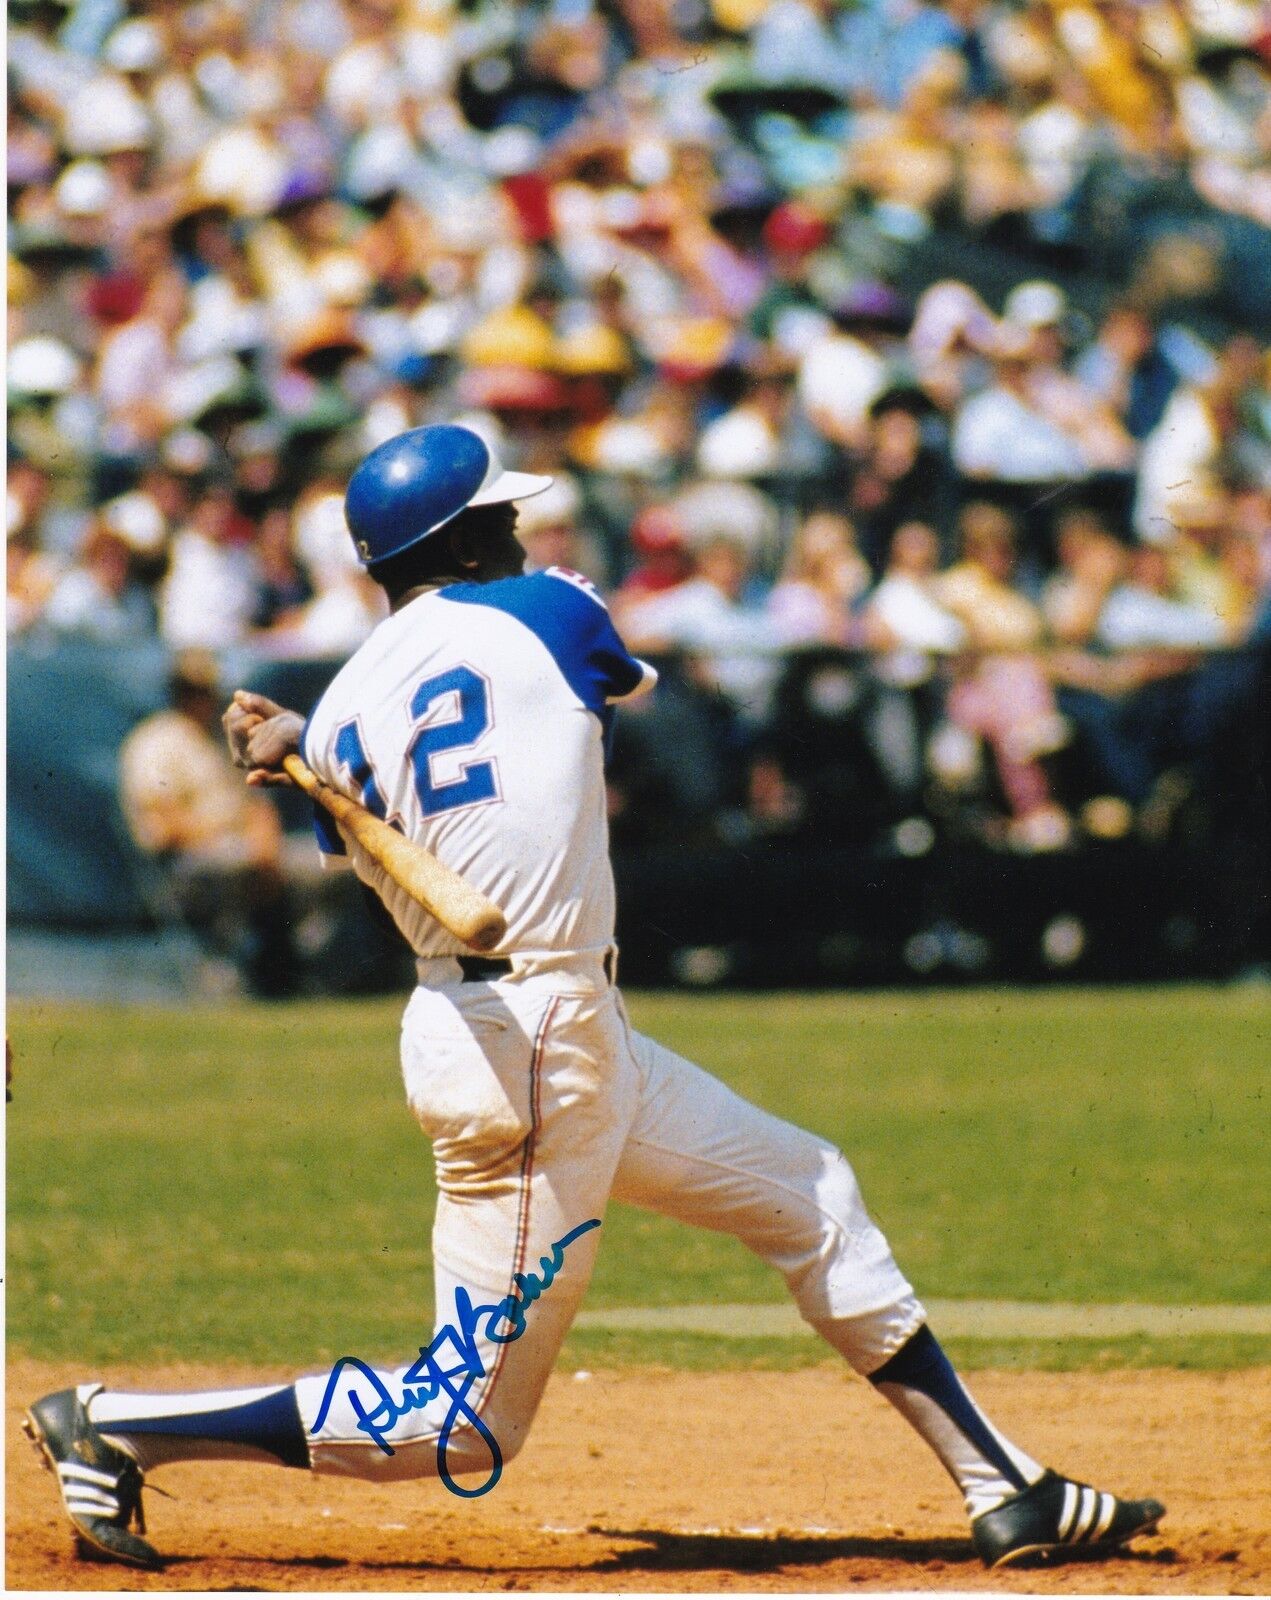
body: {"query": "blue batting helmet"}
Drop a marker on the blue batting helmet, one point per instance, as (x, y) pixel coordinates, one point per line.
(415, 483)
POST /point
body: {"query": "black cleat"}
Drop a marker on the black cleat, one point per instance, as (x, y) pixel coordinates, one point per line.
(100, 1485)
(1057, 1516)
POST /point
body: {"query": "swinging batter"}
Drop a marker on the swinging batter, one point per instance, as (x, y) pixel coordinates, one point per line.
(475, 719)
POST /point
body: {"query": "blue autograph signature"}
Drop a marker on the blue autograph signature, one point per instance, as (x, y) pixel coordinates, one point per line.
(430, 1376)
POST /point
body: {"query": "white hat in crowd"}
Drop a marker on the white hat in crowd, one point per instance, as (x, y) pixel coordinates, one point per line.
(135, 46)
(137, 520)
(105, 118)
(740, 444)
(84, 189)
(1035, 305)
(40, 365)
(736, 511)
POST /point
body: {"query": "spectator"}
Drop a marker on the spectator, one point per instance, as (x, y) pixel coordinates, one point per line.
(903, 476)
(344, 608)
(345, 602)
(748, 441)
(283, 587)
(707, 616)
(1202, 570)
(840, 377)
(210, 594)
(248, 244)
(824, 576)
(657, 540)
(548, 528)
(1097, 692)
(979, 591)
(1003, 433)
(99, 597)
(220, 844)
(1215, 418)
(31, 579)
(904, 615)
(1032, 424)
(1090, 564)
(136, 360)
(952, 333)
(906, 623)
(1042, 309)
(32, 574)
(1127, 370)
(1003, 696)
(1142, 612)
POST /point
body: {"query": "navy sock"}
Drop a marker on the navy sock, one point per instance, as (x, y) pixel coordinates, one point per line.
(216, 1425)
(920, 1382)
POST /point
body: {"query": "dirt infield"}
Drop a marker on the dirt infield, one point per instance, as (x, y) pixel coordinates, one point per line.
(672, 1481)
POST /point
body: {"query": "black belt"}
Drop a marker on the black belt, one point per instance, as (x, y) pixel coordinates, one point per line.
(485, 969)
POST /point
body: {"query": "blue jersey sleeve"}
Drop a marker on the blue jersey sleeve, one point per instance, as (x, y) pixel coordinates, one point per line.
(325, 831)
(327, 834)
(563, 610)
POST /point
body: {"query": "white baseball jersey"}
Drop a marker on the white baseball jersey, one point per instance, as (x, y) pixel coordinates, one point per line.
(474, 719)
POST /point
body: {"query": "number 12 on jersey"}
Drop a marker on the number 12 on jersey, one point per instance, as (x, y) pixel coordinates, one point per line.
(478, 780)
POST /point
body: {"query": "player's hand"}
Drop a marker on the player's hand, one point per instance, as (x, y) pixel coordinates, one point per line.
(260, 733)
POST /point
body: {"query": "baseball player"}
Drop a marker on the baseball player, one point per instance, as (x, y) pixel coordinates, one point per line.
(475, 719)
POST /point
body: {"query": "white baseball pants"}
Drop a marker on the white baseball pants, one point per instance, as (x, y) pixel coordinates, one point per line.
(542, 1102)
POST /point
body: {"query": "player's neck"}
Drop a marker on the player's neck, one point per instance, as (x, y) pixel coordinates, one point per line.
(478, 574)
(397, 601)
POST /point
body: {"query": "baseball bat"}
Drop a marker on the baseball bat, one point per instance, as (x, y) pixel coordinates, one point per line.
(461, 909)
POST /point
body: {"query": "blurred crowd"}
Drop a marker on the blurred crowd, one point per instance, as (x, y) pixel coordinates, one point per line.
(901, 367)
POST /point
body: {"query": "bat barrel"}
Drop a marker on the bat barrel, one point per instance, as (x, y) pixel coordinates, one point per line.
(461, 909)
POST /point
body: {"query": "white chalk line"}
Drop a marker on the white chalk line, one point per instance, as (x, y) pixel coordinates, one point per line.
(955, 1319)
(777, 1531)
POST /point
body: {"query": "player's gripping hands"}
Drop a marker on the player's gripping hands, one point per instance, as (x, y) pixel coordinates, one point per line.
(260, 733)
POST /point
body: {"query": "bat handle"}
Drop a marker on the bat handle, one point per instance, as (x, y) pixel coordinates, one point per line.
(297, 769)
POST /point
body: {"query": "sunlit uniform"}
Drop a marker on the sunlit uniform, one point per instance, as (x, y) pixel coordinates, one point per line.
(474, 719)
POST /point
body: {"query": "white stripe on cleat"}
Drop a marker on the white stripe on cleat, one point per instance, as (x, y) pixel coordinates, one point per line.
(1086, 1516)
(1072, 1499)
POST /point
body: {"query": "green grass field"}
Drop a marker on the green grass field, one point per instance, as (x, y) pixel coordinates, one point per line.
(246, 1183)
